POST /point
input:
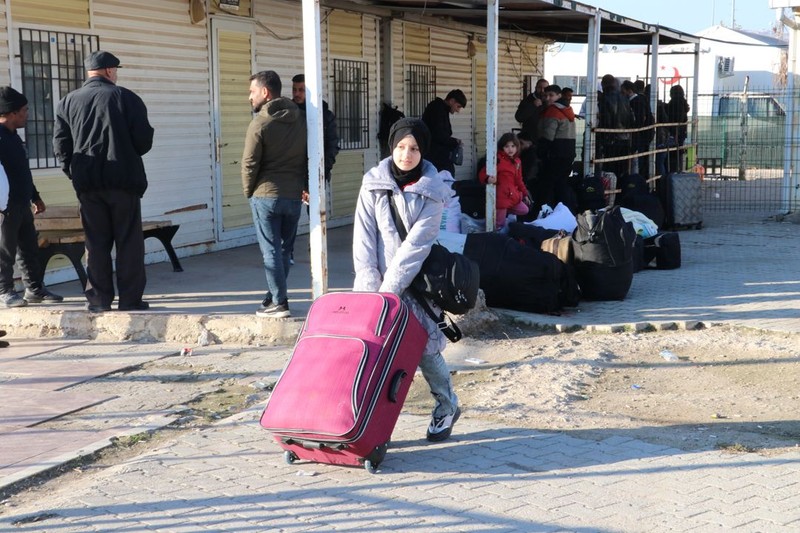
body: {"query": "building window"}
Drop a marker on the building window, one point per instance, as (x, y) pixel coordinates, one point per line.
(576, 83)
(351, 103)
(52, 66)
(528, 84)
(420, 88)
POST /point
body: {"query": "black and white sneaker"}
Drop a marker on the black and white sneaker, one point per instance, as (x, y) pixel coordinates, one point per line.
(442, 426)
(266, 302)
(274, 310)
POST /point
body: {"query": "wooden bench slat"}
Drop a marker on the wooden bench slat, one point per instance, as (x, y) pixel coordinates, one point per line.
(61, 232)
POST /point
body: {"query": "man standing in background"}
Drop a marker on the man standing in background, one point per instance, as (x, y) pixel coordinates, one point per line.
(274, 173)
(330, 135)
(100, 136)
(18, 239)
(437, 118)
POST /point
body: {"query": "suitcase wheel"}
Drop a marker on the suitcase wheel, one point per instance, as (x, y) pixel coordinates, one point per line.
(289, 457)
(371, 468)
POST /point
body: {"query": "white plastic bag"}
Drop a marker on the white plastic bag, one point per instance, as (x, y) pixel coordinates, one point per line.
(560, 218)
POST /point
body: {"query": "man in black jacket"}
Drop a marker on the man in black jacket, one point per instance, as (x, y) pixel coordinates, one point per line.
(437, 118)
(100, 136)
(614, 112)
(642, 116)
(17, 231)
(329, 133)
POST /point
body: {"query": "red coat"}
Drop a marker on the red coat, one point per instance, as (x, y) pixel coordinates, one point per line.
(510, 187)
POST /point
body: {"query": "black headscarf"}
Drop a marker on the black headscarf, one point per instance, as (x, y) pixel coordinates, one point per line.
(420, 132)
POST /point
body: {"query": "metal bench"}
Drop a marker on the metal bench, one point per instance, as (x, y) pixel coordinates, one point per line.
(61, 233)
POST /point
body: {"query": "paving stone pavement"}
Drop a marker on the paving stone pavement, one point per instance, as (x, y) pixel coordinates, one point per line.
(486, 478)
(232, 476)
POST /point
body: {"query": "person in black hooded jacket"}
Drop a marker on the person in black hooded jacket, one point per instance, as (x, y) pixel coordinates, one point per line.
(100, 136)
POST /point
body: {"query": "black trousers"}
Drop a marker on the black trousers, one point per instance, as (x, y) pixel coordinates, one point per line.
(552, 185)
(18, 243)
(113, 218)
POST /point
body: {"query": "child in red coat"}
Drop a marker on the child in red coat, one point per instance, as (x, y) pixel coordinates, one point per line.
(512, 196)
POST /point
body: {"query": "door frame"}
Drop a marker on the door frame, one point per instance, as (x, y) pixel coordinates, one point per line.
(243, 25)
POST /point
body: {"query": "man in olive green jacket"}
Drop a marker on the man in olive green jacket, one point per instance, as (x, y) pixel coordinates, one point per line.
(274, 168)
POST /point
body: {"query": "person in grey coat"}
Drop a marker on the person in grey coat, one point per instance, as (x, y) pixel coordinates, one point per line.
(386, 263)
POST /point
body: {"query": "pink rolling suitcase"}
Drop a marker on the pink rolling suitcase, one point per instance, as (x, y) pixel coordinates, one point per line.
(339, 396)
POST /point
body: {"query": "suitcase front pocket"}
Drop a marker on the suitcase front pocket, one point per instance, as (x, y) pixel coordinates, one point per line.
(316, 394)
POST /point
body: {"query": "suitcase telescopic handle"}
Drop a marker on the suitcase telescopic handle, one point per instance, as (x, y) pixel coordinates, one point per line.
(394, 387)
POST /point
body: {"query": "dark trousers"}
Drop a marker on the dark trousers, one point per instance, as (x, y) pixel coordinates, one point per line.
(113, 218)
(552, 185)
(18, 243)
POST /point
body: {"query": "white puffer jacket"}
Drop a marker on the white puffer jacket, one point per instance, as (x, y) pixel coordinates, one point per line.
(385, 263)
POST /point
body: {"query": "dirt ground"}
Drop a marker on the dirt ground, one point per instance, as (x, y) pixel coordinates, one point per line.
(715, 388)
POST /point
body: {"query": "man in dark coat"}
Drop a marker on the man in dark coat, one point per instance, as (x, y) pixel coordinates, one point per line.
(437, 118)
(527, 115)
(17, 232)
(329, 130)
(642, 116)
(100, 136)
(614, 112)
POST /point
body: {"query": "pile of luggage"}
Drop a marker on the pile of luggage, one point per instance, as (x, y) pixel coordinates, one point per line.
(622, 228)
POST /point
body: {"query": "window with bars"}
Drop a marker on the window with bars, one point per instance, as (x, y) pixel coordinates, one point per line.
(351, 103)
(51, 65)
(420, 88)
(528, 84)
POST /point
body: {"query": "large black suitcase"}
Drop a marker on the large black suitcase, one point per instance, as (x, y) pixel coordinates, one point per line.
(514, 276)
(682, 197)
(472, 197)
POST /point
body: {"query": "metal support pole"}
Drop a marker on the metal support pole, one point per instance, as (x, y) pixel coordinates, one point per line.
(790, 199)
(654, 95)
(695, 90)
(316, 157)
(591, 92)
(492, 15)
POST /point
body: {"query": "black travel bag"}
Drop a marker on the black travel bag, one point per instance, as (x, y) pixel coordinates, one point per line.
(603, 245)
(665, 249)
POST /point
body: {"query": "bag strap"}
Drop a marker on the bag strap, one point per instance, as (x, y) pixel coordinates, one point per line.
(444, 322)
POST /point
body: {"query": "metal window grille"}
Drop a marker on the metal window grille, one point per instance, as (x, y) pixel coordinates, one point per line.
(351, 101)
(52, 66)
(528, 84)
(420, 87)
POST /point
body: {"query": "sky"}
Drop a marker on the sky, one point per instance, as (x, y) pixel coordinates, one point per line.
(693, 15)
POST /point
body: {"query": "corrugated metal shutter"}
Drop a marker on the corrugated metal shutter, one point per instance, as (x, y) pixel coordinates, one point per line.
(166, 64)
(244, 8)
(347, 182)
(417, 44)
(519, 56)
(346, 34)
(480, 105)
(234, 72)
(73, 13)
(454, 71)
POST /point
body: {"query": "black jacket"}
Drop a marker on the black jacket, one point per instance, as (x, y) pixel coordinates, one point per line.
(100, 136)
(437, 118)
(330, 136)
(528, 116)
(14, 158)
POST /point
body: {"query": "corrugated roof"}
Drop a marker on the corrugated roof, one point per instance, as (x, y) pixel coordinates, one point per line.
(557, 20)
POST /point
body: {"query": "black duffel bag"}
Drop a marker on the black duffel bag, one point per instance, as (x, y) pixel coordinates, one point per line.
(603, 245)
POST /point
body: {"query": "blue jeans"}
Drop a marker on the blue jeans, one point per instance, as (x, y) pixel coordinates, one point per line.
(275, 221)
(435, 371)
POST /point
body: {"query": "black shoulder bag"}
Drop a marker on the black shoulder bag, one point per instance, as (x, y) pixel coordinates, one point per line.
(450, 279)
